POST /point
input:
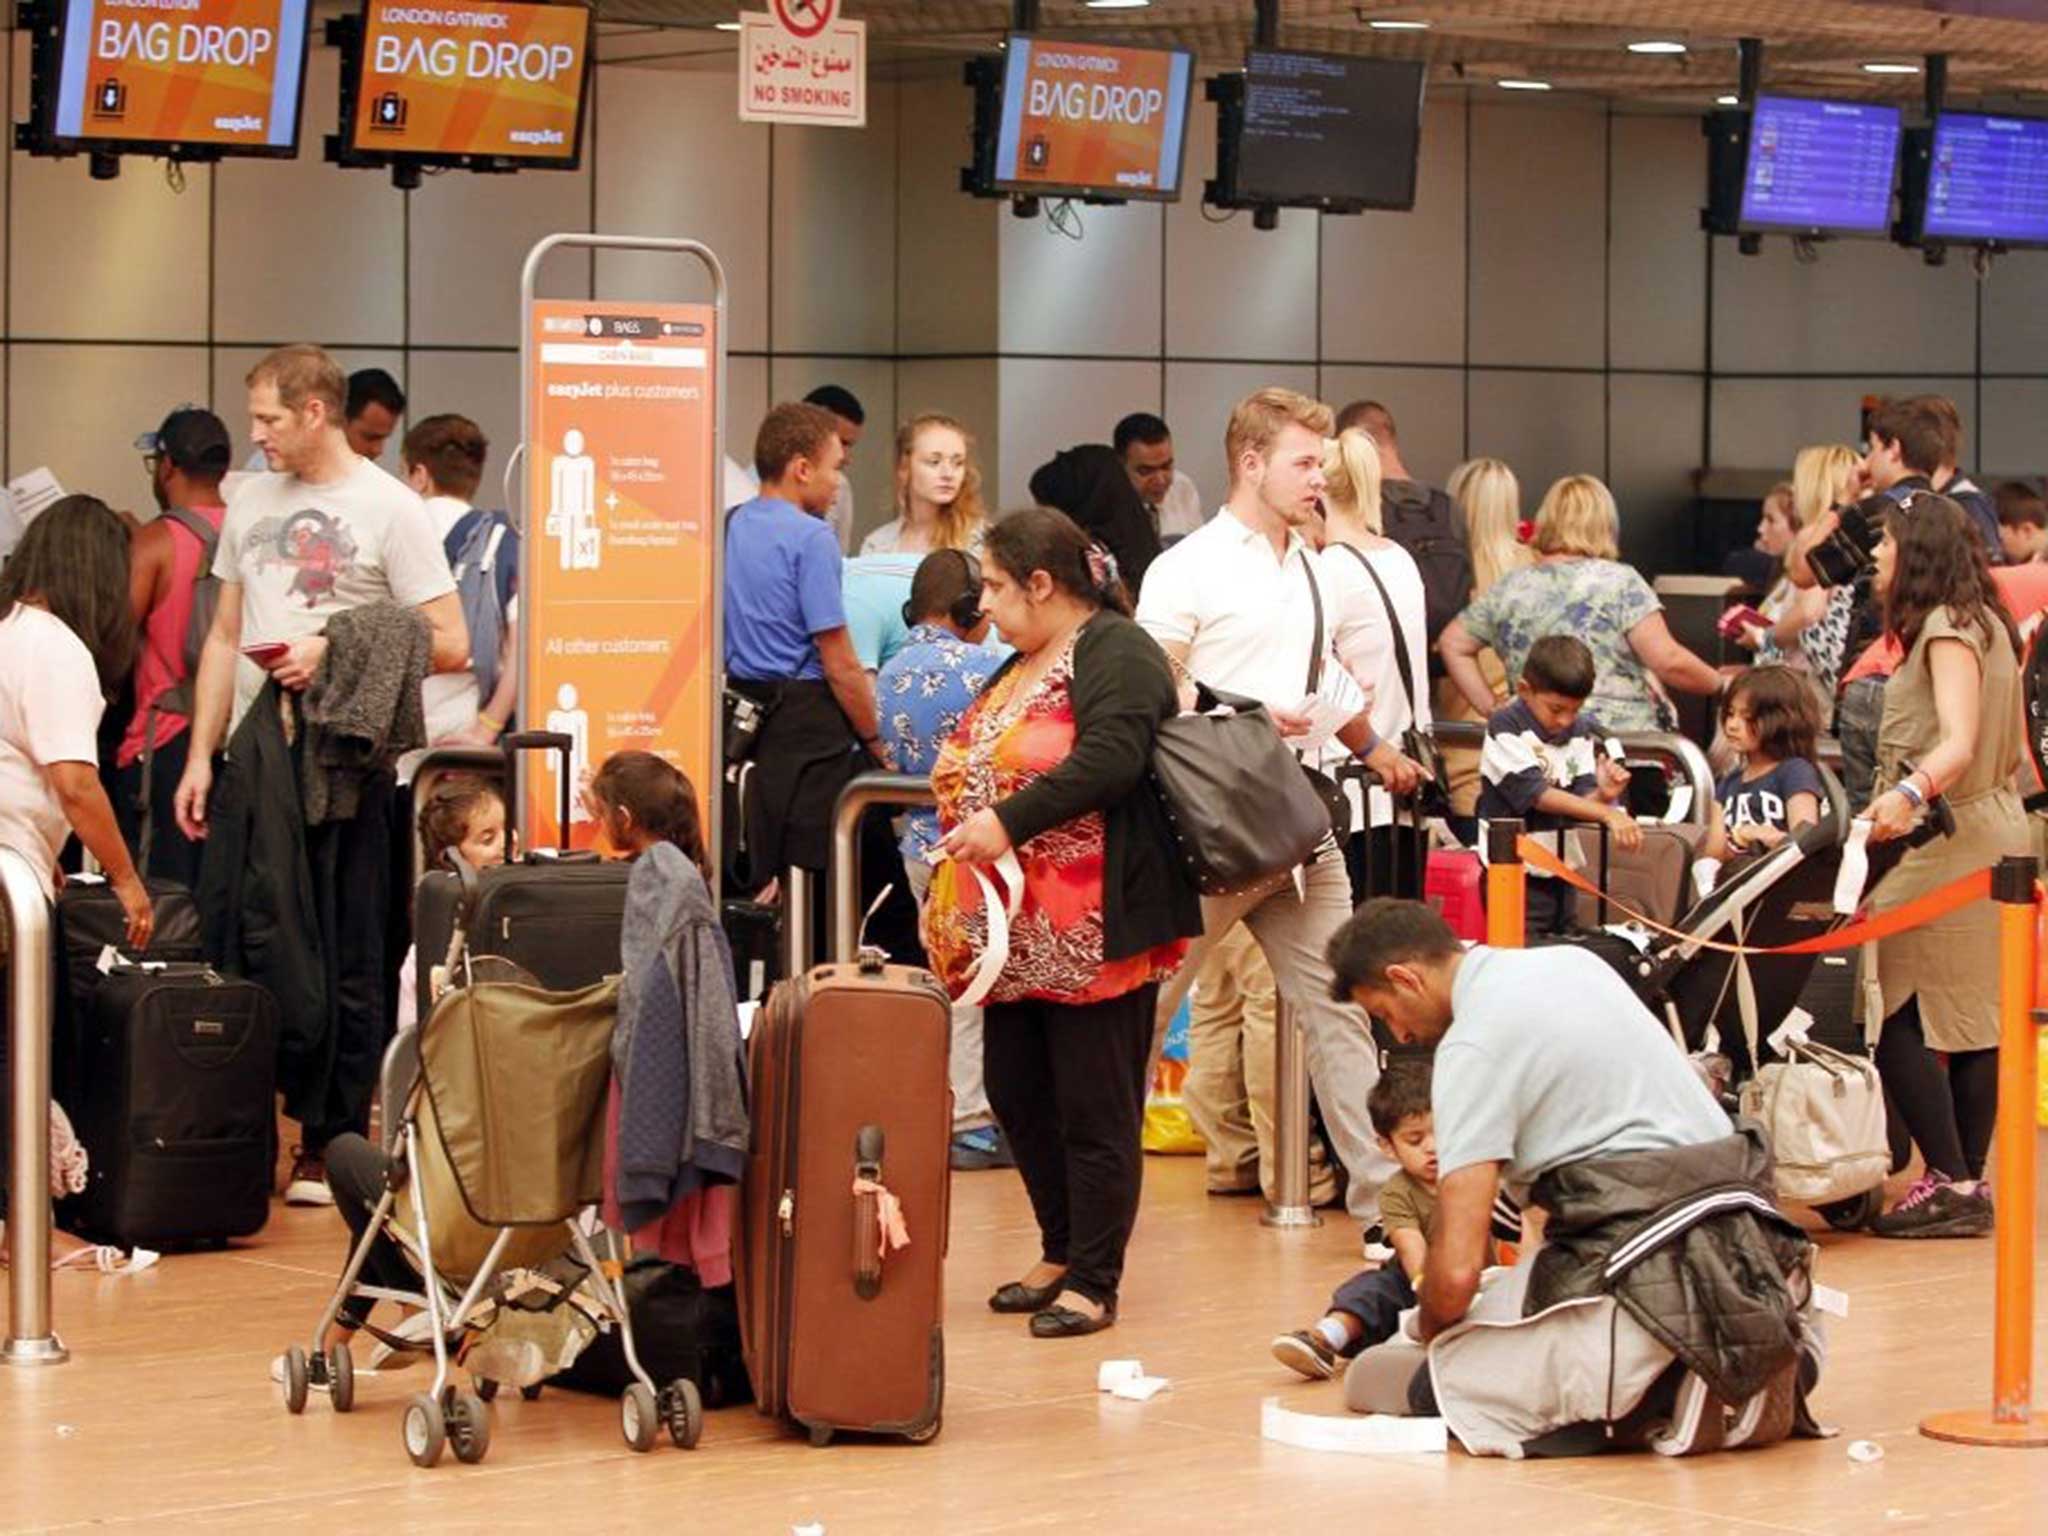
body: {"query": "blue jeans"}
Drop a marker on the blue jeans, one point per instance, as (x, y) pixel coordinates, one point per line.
(1377, 1298)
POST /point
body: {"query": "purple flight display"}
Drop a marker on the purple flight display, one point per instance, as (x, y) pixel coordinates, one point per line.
(1820, 166)
(1989, 179)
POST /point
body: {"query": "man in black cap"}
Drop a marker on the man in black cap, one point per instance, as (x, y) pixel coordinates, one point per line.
(170, 571)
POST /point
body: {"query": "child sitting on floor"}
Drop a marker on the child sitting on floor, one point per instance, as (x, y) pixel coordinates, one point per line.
(1542, 763)
(1367, 1308)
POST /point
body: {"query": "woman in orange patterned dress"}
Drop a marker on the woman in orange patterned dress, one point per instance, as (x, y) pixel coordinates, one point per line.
(1052, 764)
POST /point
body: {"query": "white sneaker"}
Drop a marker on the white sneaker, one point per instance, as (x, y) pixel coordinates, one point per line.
(308, 1182)
(1376, 1248)
(414, 1329)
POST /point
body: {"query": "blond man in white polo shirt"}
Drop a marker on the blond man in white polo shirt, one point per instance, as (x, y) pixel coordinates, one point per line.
(1231, 604)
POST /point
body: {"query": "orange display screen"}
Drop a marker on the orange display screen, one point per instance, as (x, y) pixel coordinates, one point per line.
(471, 77)
(214, 72)
(1082, 117)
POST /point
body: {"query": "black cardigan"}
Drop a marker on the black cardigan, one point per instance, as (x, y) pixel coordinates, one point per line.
(1122, 692)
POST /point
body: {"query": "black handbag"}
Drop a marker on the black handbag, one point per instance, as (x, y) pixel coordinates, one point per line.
(1242, 805)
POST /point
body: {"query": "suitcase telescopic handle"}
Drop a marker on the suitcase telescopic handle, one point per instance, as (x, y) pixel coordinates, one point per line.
(867, 1212)
(563, 746)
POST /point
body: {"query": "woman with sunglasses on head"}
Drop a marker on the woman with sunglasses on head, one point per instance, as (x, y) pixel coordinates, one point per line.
(1050, 764)
(1951, 727)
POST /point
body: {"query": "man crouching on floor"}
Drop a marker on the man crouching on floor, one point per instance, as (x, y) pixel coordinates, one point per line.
(1669, 1303)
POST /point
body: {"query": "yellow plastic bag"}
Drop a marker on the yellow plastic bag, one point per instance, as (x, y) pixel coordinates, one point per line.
(1168, 1129)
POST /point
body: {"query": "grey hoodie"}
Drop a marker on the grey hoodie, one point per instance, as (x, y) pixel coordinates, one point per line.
(676, 1050)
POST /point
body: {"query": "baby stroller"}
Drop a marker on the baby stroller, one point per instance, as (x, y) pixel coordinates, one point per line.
(494, 1124)
(1811, 884)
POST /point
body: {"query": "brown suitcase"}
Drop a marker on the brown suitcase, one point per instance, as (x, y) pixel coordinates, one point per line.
(849, 1081)
(1655, 880)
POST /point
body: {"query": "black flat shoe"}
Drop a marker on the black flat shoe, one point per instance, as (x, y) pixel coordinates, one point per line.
(1019, 1297)
(1066, 1323)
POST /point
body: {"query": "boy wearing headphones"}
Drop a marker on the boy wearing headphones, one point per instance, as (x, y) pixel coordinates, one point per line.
(920, 694)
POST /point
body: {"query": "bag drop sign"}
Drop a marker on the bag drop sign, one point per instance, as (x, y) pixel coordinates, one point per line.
(618, 561)
(472, 77)
(182, 71)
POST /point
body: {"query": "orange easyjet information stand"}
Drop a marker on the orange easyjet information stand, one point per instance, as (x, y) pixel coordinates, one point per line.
(621, 629)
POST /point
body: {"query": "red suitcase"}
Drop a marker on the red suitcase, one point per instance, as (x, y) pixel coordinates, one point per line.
(849, 1085)
(1451, 883)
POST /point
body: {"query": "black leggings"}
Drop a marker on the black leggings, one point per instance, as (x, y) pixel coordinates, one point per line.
(1950, 1114)
(1068, 1086)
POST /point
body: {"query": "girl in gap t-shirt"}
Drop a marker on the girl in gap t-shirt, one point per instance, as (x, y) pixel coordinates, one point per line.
(1769, 718)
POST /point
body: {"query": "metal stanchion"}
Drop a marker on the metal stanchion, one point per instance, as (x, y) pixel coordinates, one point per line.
(796, 922)
(869, 789)
(1507, 885)
(2010, 1421)
(1290, 1205)
(31, 1340)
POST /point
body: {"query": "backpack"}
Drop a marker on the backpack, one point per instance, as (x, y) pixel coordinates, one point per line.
(476, 547)
(177, 699)
(1426, 525)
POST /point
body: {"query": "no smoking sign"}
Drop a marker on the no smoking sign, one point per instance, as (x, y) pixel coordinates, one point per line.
(805, 18)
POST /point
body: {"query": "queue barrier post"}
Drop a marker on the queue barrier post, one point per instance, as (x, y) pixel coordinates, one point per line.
(1290, 1205)
(1507, 880)
(31, 1336)
(2010, 1420)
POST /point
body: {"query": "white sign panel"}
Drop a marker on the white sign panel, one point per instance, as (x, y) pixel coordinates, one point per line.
(820, 78)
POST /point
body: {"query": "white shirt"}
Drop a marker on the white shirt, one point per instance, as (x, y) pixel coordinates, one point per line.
(1242, 612)
(50, 707)
(1364, 641)
(452, 699)
(888, 540)
(740, 484)
(1179, 512)
(303, 553)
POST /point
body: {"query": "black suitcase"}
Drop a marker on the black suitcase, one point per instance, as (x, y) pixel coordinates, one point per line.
(89, 920)
(754, 933)
(181, 1125)
(555, 914)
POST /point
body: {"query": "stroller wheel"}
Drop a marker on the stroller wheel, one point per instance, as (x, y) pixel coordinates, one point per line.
(1855, 1213)
(682, 1409)
(531, 1393)
(486, 1388)
(469, 1427)
(295, 1380)
(639, 1419)
(426, 1432)
(341, 1377)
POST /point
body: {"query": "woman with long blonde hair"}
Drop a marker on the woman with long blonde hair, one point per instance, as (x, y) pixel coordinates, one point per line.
(938, 492)
(1490, 497)
(1579, 586)
(1809, 626)
(1379, 624)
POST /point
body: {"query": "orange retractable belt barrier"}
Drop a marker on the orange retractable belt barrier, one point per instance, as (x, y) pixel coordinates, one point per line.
(1922, 909)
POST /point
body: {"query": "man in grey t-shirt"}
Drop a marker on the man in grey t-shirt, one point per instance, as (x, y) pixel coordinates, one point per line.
(1544, 1057)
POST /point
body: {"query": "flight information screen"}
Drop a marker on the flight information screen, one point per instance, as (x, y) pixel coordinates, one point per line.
(1989, 179)
(1820, 166)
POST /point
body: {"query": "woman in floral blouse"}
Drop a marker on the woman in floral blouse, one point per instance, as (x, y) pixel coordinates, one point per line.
(1579, 586)
(1051, 764)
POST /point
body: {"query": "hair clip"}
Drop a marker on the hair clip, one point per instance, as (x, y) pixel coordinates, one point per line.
(1101, 567)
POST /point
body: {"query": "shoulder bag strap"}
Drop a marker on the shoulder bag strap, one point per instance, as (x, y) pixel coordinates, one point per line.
(197, 526)
(1401, 660)
(1315, 596)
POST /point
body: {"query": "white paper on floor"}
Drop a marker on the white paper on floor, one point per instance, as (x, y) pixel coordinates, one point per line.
(1371, 1434)
(1140, 1389)
(1113, 1373)
(1831, 1301)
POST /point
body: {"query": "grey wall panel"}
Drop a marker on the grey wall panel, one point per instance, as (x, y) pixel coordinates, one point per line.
(1539, 221)
(1544, 424)
(1657, 282)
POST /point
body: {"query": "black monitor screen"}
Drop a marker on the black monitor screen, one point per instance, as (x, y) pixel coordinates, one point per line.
(1329, 128)
(1820, 166)
(1989, 179)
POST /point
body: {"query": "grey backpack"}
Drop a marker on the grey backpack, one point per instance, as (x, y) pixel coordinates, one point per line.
(177, 699)
(474, 566)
